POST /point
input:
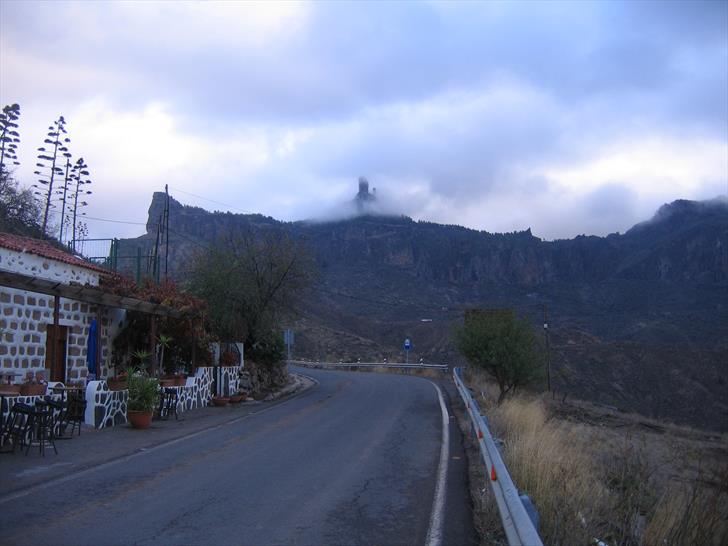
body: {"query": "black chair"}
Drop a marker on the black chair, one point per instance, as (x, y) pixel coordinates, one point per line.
(16, 429)
(168, 400)
(59, 410)
(75, 410)
(41, 423)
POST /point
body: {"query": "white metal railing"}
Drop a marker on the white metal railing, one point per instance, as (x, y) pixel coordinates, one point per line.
(517, 524)
(347, 365)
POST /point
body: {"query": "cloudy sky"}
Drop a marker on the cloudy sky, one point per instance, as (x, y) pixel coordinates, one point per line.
(569, 118)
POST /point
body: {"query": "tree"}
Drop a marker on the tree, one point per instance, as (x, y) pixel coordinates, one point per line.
(503, 345)
(48, 159)
(64, 193)
(250, 281)
(19, 211)
(9, 136)
(79, 176)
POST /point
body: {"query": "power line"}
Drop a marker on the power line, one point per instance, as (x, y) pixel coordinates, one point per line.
(85, 217)
(210, 200)
(114, 221)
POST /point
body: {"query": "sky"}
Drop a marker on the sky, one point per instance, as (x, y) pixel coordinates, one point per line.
(564, 117)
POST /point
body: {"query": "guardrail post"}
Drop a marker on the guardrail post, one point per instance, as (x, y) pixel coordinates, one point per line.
(531, 510)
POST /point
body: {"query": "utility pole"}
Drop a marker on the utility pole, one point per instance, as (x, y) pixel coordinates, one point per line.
(155, 256)
(548, 355)
(166, 230)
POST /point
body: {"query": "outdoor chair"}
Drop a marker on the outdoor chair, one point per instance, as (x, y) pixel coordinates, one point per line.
(60, 423)
(40, 424)
(168, 400)
(75, 411)
(16, 429)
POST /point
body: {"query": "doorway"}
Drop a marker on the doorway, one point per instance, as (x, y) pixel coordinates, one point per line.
(56, 337)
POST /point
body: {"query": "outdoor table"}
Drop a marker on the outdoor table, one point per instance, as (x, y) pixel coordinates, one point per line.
(64, 390)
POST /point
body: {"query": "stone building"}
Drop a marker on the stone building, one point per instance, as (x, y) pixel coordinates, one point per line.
(48, 300)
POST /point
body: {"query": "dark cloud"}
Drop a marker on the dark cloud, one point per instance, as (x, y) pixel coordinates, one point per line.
(352, 56)
(447, 104)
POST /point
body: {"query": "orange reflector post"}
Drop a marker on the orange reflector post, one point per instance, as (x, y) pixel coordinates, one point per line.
(480, 434)
(493, 477)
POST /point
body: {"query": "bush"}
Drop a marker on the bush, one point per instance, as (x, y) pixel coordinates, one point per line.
(501, 344)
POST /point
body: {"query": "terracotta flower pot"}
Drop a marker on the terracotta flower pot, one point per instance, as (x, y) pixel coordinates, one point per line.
(33, 390)
(139, 419)
(10, 390)
(115, 384)
(220, 400)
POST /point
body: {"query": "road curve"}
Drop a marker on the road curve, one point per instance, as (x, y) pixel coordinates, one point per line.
(354, 460)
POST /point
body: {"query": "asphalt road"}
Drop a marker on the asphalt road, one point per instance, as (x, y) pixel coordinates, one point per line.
(354, 460)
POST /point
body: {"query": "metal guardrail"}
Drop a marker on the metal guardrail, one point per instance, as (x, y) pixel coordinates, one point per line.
(517, 524)
(348, 365)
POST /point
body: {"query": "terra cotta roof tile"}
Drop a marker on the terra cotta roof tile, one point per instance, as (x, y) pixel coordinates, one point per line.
(45, 250)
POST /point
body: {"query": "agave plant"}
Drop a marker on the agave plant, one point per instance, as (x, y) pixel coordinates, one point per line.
(9, 136)
(48, 165)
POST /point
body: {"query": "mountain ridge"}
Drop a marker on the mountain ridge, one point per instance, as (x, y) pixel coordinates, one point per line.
(650, 302)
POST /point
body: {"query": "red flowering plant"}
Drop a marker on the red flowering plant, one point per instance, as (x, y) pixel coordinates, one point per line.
(185, 327)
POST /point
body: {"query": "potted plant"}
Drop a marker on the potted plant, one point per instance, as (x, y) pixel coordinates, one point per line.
(143, 398)
(117, 383)
(33, 385)
(141, 356)
(220, 400)
(10, 390)
(228, 358)
(238, 397)
(168, 381)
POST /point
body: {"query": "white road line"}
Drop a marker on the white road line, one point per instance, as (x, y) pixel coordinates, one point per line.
(434, 533)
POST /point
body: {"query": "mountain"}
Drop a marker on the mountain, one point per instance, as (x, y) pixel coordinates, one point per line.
(637, 320)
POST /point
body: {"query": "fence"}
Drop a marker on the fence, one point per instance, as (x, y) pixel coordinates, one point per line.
(517, 523)
(135, 264)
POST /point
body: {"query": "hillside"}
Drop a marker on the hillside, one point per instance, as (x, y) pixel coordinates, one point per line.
(637, 320)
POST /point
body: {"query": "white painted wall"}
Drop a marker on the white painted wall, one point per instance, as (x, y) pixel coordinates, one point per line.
(45, 268)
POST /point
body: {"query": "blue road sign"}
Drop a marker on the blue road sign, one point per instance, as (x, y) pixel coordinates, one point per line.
(407, 344)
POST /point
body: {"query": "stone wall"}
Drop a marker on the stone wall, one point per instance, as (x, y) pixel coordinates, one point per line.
(25, 316)
(104, 407)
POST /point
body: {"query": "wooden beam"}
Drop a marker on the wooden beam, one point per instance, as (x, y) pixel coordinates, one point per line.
(54, 337)
(86, 294)
(153, 344)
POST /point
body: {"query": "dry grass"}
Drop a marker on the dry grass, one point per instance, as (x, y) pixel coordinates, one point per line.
(692, 513)
(589, 481)
(548, 460)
